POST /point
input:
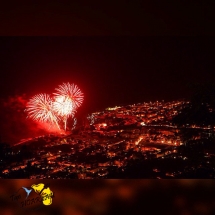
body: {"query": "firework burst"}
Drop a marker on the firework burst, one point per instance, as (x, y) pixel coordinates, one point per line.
(40, 108)
(64, 107)
(68, 97)
(72, 92)
(66, 100)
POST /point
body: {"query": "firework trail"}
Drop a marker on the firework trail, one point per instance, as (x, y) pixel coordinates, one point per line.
(91, 118)
(74, 124)
(43, 108)
(40, 108)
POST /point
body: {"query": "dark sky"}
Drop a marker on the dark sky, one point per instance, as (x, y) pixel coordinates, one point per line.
(162, 55)
(109, 70)
(57, 17)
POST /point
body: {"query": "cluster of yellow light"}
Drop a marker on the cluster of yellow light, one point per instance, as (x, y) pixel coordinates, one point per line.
(138, 141)
(113, 108)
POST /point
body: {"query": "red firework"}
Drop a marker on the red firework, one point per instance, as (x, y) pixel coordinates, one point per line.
(70, 92)
(40, 108)
(67, 99)
(63, 106)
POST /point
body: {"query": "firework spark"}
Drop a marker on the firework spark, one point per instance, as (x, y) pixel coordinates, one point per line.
(40, 108)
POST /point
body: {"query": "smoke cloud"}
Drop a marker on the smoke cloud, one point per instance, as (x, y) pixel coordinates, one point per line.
(15, 125)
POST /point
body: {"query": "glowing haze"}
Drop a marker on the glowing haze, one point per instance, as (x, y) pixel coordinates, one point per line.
(53, 110)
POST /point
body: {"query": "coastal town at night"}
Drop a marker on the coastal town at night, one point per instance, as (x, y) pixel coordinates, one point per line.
(107, 108)
(133, 141)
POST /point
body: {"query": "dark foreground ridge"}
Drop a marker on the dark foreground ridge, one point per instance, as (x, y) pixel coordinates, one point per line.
(142, 140)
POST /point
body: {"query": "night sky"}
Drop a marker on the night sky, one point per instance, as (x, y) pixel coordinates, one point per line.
(60, 18)
(109, 70)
